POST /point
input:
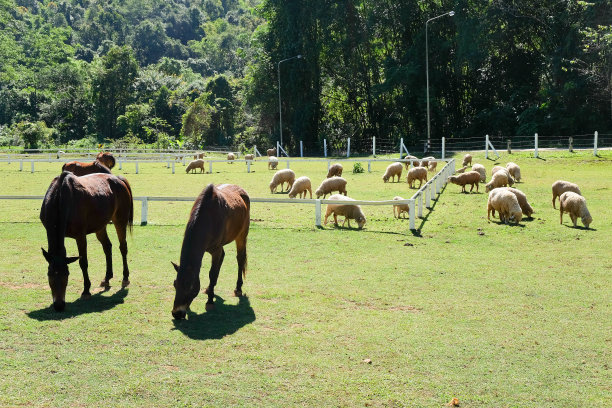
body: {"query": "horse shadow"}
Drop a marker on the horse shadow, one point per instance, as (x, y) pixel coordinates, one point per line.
(222, 321)
(96, 304)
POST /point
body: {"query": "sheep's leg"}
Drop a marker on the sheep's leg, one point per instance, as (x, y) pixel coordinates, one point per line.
(554, 198)
(335, 219)
(213, 275)
(574, 220)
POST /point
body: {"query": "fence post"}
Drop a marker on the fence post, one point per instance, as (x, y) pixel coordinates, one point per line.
(348, 148)
(328, 165)
(136, 167)
(318, 213)
(595, 144)
(168, 164)
(401, 147)
(325, 147)
(486, 146)
(509, 146)
(210, 166)
(571, 144)
(301, 149)
(144, 211)
(443, 147)
(20, 165)
(369, 166)
(120, 163)
(428, 196)
(373, 146)
(535, 150)
(183, 160)
(32, 166)
(411, 214)
(420, 205)
(248, 166)
(287, 163)
(172, 167)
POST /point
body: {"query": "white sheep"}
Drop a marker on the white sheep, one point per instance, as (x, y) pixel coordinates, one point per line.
(415, 161)
(231, 157)
(394, 169)
(495, 169)
(560, 186)
(199, 155)
(281, 177)
(195, 164)
(334, 170)
(300, 186)
(425, 161)
(330, 185)
(350, 212)
(400, 208)
(416, 173)
(249, 157)
(467, 160)
(480, 169)
(514, 170)
(575, 205)
(506, 203)
(499, 179)
(272, 162)
(461, 170)
(432, 166)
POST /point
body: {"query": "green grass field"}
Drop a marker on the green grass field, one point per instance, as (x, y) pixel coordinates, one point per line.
(495, 315)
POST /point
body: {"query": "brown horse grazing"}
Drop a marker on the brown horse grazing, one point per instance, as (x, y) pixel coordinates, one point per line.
(219, 216)
(74, 207)
(103, 163)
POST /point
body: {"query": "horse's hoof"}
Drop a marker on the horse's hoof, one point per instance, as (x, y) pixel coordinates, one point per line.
(105, 284)
(237, 293)
(85, 296)
(125, 283)
(210, 306)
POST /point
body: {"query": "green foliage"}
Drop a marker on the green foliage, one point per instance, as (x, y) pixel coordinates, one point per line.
(357, 168)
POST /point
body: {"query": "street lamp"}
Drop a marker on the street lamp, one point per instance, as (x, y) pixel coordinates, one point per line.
(450, 13)
(280, 110)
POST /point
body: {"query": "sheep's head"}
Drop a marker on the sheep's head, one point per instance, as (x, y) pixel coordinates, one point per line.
(517, 216)
(488, 187)
(587, 220)
(361, 220)
(272, 187)
(385, 178)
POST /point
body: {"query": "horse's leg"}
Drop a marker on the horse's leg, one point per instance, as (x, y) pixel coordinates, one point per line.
(107, 247)
(213, 274)
(120, 227)
(241, 257)
(82, 246)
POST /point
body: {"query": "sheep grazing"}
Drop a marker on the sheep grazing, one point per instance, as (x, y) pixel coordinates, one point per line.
(416, 173)
(271, 152)
(480, 169)
(350, 212)
(272, 162)
(394, 169)
(231, 157)
(499, 179)
(471, 177)
(467, 160)
(522, 200)
(330, 185)
(496, 169)
(506, 203)
(281, 177)
(249, 157)
(415, 161)
(300, 186)
(400, 208)
(432, 166)
(195, 164)
(334, 170)
(425, 161)
(514, 170)
(461, 170)
(559, 187)
(199, 156)
(575, 205)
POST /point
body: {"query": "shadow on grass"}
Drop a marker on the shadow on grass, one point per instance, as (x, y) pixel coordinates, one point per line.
(96, 304)
(222, 321)
(417, 232)
(579, 227)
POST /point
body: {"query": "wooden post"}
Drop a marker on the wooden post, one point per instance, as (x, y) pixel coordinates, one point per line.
(571, 144)
(144, 211)
(318, 213)
(443, 147)
(248, 166)
(325, 147)
(595, 144)
(32, 166)
(411, 214)
(486, 146)
(348, 148)
(20, 165)
(369, 166)
(301, 149)
(136, 167)
(172, 167)
(373, 146)
(535, 150)
(210, 166)
(420, 205)
(509, 146)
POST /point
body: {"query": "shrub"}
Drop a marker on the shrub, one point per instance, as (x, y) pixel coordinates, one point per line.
(357, 168)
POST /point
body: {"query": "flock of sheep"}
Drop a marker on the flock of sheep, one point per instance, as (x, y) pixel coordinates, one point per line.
(510, 203)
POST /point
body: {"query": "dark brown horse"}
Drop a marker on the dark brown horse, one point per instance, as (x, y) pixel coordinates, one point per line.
(75, 207)
(103, 163)
(219, 216)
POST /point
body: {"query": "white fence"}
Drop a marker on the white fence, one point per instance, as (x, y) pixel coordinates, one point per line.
(422, 198)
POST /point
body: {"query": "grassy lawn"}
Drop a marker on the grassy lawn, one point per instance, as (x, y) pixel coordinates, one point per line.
(495, 315)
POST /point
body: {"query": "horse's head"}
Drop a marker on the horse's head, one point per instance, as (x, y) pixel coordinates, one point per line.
(187, 286)
(58, 277)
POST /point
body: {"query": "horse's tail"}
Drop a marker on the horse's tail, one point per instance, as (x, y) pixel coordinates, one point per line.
(131, 215)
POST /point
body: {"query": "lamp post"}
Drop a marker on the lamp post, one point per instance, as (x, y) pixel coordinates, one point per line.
(450, 13)
(280, 109)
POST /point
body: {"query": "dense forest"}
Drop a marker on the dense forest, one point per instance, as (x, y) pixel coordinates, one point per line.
(196, 73)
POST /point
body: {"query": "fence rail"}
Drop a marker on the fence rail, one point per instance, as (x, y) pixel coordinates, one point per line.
(421, 198)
